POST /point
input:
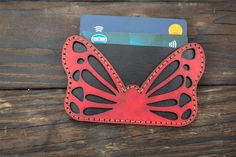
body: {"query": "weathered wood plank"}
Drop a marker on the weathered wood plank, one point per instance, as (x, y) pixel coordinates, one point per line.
(183, 1)
(33, 123)
(32, 34)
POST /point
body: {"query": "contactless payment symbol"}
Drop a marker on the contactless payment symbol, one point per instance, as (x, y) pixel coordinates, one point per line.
(98, 28)
(173, 44)
(99, 38)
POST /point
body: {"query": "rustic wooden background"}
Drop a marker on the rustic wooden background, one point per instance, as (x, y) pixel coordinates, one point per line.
(32, 82)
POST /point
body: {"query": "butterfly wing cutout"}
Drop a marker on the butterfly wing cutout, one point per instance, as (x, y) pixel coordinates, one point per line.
(95, 92)
(171, 88)
(92, 82)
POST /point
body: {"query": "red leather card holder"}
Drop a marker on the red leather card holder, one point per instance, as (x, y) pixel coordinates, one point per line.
(96, 92)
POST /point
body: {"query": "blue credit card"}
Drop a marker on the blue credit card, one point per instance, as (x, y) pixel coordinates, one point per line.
(124, 30)
(139, 39)
(94, 23)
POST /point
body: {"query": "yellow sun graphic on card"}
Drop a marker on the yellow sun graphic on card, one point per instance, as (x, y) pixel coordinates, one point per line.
(175, 29)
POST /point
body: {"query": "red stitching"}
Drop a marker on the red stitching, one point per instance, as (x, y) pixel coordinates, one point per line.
(139, 89)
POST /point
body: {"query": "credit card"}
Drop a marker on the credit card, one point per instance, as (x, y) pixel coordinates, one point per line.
(127, 30)
(99, 23)
(138, 39)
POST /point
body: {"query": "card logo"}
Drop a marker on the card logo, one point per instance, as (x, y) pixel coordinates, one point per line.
(175, 29)
(99, 38)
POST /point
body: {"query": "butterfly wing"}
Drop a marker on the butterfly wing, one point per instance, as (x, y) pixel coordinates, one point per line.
(171, 88)
(96, 93)
(93, 84)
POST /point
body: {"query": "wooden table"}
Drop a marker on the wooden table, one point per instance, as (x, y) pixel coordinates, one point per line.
(32, 83)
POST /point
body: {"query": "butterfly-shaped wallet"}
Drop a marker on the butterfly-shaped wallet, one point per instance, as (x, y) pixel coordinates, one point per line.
(101, 88)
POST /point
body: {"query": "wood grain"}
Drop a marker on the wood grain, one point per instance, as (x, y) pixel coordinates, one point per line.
(183, 1)
(33, 123)
(32, 35)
